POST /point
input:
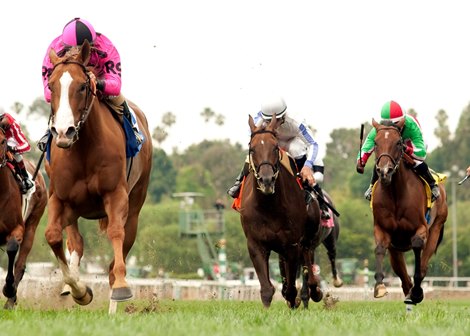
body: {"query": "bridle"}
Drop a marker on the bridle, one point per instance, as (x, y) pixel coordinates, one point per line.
(89, 98)
(275, 166)
(395, 162)
(4, 149)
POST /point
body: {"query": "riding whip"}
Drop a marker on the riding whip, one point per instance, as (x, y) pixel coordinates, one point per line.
(464, 179)
(361, 137)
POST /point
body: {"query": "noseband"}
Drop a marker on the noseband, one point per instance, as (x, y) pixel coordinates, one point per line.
(89, 98)
(4, 159)
(275, 166)
(396, 162)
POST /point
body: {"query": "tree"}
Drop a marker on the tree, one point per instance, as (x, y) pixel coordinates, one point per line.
(442, 131)
(160, 133)
(162, 176)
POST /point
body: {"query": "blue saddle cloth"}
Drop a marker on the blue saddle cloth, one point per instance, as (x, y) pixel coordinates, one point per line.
(132, 145)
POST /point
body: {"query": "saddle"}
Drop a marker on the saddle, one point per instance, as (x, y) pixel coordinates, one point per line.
(438, 177)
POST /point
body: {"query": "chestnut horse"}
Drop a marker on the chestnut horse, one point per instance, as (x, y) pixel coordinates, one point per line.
(90, 176)
(275, 218)
(399, 206)
(19, 219)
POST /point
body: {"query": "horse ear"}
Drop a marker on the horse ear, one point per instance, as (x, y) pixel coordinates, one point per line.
(85, 52)
(53, 56)
(274, 122)
(375, 123)
(251, 123)
(401, 123)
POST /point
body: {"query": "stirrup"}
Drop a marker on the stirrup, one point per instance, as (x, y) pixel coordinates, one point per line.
(368, 193)
(435, 193)
(325, 214)
(234, 191)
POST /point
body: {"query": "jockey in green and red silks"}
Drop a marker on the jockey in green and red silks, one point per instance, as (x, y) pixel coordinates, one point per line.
(412, 136)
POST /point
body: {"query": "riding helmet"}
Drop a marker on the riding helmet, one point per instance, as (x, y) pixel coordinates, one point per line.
(392, 111)
(77, 31)
(273, 105)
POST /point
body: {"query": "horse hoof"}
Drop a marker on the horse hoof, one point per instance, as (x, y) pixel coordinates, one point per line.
(121, 294)
(9, 291)
(10, 304)
(317, 295)
(417, 295)
(380, 291)
(86, 298)
(337, 283)
(66, 290)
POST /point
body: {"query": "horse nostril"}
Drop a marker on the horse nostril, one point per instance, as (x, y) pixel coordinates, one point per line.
(53, 131)
(70, 132)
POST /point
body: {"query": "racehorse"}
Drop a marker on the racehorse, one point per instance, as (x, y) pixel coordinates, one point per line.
(19, 219)
(90, 176)
(327, 236)
(275, 218)
(400, 211)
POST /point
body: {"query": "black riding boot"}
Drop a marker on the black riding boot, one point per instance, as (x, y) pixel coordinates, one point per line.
(375, 177)
(27, 183)
(423, 171)
(127, 114)
(234, 191)
(325, 213)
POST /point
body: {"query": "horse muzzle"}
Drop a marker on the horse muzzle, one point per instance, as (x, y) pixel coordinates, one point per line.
(65, 139)
(385, 174)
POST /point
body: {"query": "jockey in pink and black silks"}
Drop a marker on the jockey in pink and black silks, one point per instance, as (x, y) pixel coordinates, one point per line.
(413, 140)
(104, 56)
(104, 59)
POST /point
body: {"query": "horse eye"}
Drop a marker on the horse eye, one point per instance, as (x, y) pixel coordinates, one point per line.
(82, 87)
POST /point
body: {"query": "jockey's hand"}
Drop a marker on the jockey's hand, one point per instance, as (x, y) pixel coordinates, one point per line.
(468, 170)
(409, 150)
(360, 166)
(307, 176)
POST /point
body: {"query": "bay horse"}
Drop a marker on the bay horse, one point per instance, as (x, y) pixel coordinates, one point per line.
(90, 176)
(399, 206)
(274, 217)
(19, 219)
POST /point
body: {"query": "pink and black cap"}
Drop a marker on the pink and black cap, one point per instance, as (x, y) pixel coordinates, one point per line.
(77, 31)
(392, 111)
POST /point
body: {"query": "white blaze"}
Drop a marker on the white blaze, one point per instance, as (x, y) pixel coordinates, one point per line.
(64, 115)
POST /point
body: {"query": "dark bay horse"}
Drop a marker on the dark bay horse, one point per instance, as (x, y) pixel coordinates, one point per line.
(399, 206)
(327, 236)
(90, 176)
(19, 219)
(275, 218)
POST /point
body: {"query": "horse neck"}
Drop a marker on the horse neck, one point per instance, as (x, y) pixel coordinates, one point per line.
(404, 175)
(99, 123)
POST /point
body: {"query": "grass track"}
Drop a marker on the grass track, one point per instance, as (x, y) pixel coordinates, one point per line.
(194, 318)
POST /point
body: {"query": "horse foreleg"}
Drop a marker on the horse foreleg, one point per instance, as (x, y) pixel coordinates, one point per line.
(398, 263)
(379, 288)
(330, 245)
(416, 294)
(81, 293)
(74, 243)
(289, 290)
(9, 289)
(260, 258)
(316, 293)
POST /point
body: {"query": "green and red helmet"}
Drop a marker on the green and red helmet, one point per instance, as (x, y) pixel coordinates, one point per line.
(392, 111)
